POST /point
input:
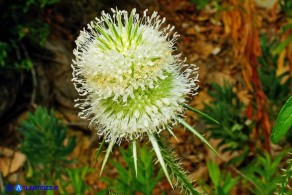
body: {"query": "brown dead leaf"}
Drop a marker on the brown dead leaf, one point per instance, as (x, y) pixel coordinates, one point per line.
(221, 77)
(200, 173)
(201, 98)
(246, 77)
(244, 96)
(10, 161)
(224, 157)
(267, 4)
(281, 63)
(204, 49)
(191, 31)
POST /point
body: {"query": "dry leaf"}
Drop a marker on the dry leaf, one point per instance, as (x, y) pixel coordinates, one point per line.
(281, 68)
(268, 4)
(10, 161)
(191, 31)
(203, 48)
(202, 97)
(244, 96)
(221, 78)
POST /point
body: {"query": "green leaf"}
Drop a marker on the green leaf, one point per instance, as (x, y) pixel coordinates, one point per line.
(283, 123)
(286, 27)
(124, 175)
(282, 45)
(200, 4)
(201, 113)
(229, 183)
(194, 131)
(214, 173)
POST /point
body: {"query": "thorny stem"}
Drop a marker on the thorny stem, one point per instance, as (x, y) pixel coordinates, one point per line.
(175, 170)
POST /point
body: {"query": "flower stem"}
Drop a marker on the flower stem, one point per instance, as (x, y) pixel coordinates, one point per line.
(175, 169)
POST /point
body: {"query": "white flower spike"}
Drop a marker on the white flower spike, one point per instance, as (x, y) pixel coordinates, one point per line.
(131, 82)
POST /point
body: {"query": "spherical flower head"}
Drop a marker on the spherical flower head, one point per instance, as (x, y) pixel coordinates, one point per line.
(130, 80)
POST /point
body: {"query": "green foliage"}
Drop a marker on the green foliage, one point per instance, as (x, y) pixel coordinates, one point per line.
(36, 31)
(38, 3)
(201, 4)
(286, 6)
(286, 177)
(3, 53)
(283, 123)
(21, 26)
(275, 91)
(263, 173)
(222, 181)
(43, 144)
(76, 179)
(227, 109)
(282, 45)
(127, 182)
(44, 138)
(25, 64)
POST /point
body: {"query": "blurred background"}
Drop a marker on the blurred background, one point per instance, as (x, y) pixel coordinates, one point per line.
(244, 51)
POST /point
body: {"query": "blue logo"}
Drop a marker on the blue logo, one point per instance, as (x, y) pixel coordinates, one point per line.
(18, 188)
(9, 188)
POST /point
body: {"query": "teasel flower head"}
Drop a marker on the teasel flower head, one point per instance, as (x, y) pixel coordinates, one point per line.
(130, 81)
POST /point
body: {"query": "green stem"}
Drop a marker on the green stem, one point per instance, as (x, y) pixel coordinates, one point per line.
(175, 170)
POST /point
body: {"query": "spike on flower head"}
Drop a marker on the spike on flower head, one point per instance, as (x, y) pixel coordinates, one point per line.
(131, 81)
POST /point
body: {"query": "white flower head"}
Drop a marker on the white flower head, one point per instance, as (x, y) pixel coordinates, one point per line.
(130, 80)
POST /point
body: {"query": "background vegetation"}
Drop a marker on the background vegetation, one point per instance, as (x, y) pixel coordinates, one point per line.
(244, 51)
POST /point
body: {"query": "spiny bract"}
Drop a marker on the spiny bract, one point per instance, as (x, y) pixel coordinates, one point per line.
(131, 81)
